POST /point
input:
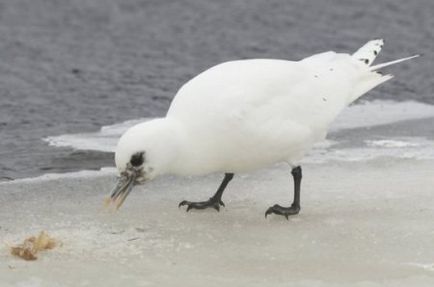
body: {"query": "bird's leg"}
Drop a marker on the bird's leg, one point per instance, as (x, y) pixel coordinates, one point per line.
(215, 201)
(295, 207)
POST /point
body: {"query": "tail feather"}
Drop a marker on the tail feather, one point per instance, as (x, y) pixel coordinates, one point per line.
(368, 52)
(366, 84)
(382, 65)
(370, 78)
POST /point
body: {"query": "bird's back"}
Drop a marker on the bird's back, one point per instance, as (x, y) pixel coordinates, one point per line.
(305, 91)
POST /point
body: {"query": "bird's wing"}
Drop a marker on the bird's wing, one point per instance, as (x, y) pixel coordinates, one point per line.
(257, 106)
(237, 90)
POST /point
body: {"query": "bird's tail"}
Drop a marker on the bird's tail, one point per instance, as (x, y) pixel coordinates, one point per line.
(369, 80)
(368, 52)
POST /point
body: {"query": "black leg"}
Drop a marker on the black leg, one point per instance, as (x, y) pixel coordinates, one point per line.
(295, 206)
(215, 201)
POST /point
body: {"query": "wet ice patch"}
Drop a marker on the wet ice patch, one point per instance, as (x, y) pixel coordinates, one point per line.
(405, 147)
(389, 143)
(402, 148)
(378, 112)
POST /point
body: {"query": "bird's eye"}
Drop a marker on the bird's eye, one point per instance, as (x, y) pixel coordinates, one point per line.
(137, 159)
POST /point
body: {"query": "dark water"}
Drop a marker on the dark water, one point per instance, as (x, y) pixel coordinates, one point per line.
(73, 66)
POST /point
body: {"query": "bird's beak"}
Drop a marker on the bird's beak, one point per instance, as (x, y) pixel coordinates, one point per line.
(121, 190)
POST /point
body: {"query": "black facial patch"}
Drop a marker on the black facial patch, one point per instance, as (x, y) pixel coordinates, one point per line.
(137, 159)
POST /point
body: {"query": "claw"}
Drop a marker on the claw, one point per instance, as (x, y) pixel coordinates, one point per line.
(182, 203)
(268, 211)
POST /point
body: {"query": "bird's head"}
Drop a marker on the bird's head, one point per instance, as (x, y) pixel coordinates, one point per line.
(143, 152)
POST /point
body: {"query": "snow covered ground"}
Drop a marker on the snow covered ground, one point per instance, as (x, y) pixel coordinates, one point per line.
(361, 224)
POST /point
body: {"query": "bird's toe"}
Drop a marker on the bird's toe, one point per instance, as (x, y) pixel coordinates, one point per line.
(285, 211)
(211, 203)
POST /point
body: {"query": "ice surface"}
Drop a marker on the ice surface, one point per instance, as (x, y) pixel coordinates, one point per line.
(103, 140)
(361, 224)
(394, 147)
(367, 114)
(380, 112)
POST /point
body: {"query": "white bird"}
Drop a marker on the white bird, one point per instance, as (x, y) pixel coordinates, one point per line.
(244, 115)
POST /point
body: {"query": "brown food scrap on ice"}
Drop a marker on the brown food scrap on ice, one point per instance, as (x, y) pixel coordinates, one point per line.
(32, 245)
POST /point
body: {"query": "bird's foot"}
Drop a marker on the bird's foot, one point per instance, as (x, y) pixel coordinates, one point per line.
(212, 202)
(285, 211)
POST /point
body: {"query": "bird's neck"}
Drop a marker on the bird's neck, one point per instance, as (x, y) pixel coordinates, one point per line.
(187, 153)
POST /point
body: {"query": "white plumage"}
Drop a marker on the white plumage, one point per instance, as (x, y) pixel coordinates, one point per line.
(247, 114)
